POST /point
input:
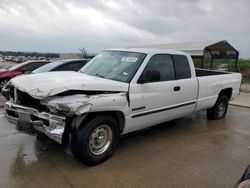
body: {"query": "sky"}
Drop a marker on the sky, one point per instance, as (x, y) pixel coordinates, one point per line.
(67, 25)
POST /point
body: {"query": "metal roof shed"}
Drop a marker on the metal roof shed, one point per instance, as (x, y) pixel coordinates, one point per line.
(203, 50)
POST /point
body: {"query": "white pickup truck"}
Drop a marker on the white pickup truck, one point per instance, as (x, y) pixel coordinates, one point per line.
(119, 91)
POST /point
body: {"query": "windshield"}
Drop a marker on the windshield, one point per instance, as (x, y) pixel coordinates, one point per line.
(114, 65)
(15, 67)
(48, 67)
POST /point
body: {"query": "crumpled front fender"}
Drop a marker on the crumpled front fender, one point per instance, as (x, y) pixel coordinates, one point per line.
(81, 103)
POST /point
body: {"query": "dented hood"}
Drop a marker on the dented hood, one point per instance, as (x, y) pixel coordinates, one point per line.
(48, 84)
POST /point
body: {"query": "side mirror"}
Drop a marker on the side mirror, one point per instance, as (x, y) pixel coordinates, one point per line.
(150, 76)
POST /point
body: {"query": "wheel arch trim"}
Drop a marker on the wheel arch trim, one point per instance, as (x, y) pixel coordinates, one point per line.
(80, 121)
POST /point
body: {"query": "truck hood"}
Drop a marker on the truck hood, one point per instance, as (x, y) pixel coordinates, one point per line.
(48, 84)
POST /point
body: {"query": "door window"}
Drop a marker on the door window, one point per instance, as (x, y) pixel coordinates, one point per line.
(32, 66)
(163, 64)
(72, 66)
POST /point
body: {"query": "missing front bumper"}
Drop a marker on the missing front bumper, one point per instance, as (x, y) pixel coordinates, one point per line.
(51, 125)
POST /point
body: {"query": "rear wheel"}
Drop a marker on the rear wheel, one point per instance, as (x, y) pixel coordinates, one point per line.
(96, 141)
(219, 110)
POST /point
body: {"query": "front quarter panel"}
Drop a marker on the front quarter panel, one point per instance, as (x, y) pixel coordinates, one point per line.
(81, 104)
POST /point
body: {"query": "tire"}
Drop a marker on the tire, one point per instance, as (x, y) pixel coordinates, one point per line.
(2, 83)
(219, 110)
(96, 141)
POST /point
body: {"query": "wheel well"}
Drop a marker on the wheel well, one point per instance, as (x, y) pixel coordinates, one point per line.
(227, 92)
(119, 116)
(6, 78)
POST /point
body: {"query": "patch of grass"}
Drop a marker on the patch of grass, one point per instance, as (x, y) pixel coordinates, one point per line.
(244, 69)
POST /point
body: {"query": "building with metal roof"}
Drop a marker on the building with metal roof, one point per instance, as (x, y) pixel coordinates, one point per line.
(206, 50)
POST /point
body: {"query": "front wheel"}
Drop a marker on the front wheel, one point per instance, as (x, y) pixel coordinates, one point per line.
(2, 84)
(96, 141)
(219, 110)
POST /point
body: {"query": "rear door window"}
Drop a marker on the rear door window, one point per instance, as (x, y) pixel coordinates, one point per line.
(32, 66)
(182, 68)
(74, 66)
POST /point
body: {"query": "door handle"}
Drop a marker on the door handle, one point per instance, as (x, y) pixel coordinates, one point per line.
(177, 88)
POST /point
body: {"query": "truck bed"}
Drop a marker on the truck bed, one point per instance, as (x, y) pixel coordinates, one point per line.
(211, 82)
(203, 72)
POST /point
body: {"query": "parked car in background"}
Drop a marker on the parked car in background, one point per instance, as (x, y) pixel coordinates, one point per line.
(63, 65)
(19, 69)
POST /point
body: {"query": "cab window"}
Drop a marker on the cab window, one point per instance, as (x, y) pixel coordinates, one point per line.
(163, 64)
(182, 68)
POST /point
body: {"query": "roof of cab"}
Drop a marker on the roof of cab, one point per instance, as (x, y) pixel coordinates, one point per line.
(148, 50)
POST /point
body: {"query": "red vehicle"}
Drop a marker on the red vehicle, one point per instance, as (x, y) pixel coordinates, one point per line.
(19, 69)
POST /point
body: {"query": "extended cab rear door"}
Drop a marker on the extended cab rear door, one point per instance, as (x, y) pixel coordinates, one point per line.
(173, 96)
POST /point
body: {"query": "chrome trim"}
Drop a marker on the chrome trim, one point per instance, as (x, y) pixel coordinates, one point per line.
(56, 126)
(163, 109)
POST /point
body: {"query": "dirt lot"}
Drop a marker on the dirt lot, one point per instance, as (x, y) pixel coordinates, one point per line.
(7, 64)
(2, 101)
(188, 152)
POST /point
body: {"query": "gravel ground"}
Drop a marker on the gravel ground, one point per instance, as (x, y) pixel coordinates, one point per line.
(7, 64)
(2, 101)
(245, 88)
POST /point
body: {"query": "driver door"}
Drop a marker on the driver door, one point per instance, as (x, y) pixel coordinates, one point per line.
(154, 102)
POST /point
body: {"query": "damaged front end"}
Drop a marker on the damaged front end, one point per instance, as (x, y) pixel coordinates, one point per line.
(30, 120)
(72, 103)
(51, 115)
